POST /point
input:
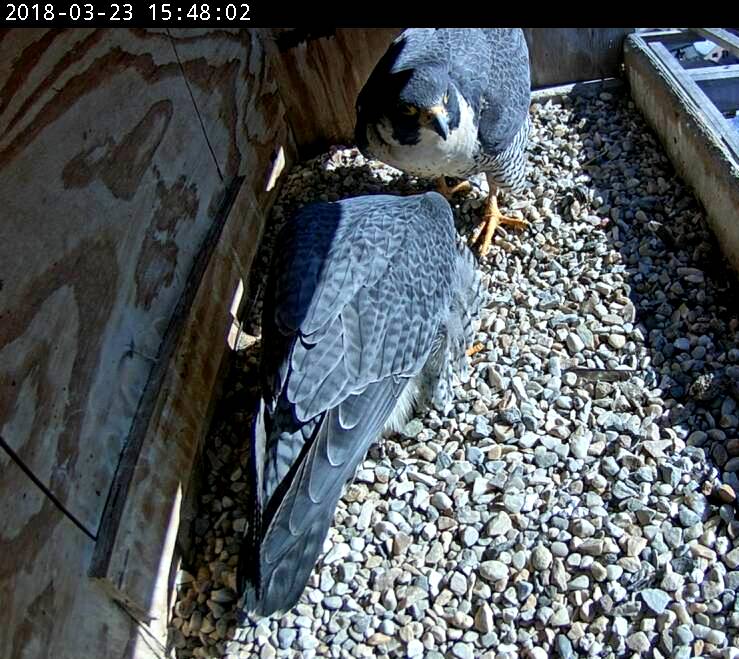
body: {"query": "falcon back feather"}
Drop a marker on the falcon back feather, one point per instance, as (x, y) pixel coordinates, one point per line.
(367, 307)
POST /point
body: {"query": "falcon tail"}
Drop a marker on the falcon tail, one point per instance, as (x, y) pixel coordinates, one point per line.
(287, 532)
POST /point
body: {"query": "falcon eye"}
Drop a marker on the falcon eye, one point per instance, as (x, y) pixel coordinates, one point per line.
(408, 109)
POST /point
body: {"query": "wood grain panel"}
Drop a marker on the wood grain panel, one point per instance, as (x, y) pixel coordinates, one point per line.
(139, 565)
(698, 140)
(107, 186)
(563, 55)
(50, 608)
(241, 113)
(239, 101)
(320, 77)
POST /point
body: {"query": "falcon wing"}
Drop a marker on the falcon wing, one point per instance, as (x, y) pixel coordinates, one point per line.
(357, 294)
(507, 93)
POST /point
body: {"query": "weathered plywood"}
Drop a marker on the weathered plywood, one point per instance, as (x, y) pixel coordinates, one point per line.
(107, 192)
(724, 72)
(50, 608)
(563, 55)
(117, 149)
(140, 562)
(695, 99)
(239, 101)
(243, 117)
(320, 77)
(692, 136)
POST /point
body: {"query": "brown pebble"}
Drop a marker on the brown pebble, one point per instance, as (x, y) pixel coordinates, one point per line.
(726, 493)
(378, 639)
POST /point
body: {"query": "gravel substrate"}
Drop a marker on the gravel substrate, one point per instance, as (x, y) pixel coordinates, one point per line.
(579, 500)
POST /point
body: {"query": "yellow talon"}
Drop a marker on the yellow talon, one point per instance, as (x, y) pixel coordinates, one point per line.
(490, 221)
(477, 347)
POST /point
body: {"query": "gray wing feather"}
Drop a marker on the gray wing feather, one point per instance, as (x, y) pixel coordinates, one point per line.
(353, 340)
(295, 537)
(357, 270)
(353, 268)
(507, 94)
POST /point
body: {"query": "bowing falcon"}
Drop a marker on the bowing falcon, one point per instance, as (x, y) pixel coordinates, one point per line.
(452, 102)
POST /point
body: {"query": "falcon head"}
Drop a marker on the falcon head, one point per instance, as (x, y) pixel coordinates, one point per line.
(411, 101)
(426, 101)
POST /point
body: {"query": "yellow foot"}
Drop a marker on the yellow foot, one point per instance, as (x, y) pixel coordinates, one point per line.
(444, 189)
(490, 221)
(474, 349)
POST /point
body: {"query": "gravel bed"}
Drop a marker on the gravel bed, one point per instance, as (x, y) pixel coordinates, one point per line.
(579, 500)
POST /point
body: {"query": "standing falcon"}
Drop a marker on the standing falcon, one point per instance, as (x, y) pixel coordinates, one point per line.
(369, 307)
(452, 102)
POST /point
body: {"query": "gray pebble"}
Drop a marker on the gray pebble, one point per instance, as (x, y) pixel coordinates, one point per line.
(656, 599)
(564, 647)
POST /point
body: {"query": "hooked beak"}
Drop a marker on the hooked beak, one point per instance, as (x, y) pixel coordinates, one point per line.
(436, 117)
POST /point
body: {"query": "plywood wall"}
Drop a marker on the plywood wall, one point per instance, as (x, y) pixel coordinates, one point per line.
(320, 74)
(562, 55)
(118, 149)
(243, 115)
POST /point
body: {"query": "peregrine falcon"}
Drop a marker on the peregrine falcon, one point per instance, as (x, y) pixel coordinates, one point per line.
(369, 307)
(452, 102)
